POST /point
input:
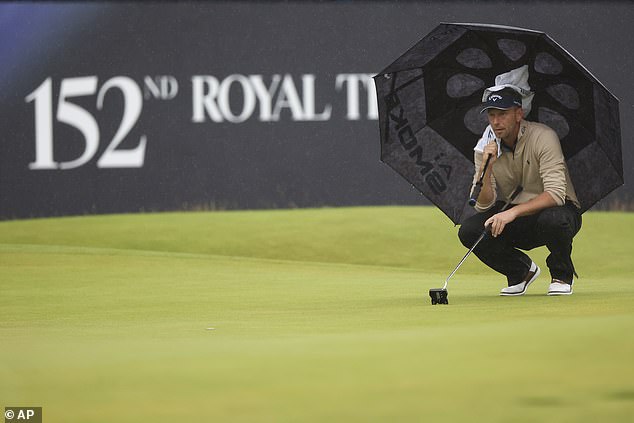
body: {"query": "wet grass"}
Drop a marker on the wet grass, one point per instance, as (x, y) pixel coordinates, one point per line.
(305, 315)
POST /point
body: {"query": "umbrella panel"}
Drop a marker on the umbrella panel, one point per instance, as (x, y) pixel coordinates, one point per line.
(416, 151)
(456, 78)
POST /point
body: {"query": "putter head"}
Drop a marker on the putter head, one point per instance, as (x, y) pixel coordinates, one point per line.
(438, 296)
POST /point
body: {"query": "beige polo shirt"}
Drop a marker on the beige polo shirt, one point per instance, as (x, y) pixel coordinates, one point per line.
(537, 163)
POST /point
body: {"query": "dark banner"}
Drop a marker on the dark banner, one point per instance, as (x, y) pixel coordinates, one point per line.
(123, 107)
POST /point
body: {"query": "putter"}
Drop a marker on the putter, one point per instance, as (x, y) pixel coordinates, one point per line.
(439, 295)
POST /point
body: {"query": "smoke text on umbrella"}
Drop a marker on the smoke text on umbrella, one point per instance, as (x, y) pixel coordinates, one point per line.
(408, 140)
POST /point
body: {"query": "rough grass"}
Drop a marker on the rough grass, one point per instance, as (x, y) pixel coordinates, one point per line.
(317, 315)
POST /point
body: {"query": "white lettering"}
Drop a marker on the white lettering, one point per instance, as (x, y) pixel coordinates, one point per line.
(43, 97)
(25, 414)
(77, 117)
(132, 107)
(308, 87)
(169, 87)
(248, 104)
(81, 119)
(212, 99)
(161, 87)
(288, 98)
(351, 82)
(265, 95)
(204, 93)
(152, 88)
(373, 105)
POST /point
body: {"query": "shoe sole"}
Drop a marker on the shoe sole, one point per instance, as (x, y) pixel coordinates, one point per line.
(530, 281)
(557, 293)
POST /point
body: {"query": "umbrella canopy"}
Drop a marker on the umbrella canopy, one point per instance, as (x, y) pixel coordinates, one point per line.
(429, 110)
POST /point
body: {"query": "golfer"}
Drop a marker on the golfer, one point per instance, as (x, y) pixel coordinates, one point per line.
(546, 212)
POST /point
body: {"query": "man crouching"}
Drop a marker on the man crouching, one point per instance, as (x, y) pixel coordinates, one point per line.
(547, 211)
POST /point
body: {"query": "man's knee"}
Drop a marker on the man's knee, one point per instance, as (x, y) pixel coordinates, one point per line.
(557, 222)
(469, 232)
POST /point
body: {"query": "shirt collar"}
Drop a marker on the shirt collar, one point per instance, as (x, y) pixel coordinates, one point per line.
(523, 129)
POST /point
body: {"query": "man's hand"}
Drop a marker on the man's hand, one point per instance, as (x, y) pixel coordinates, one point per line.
(499, 221)
(491, 149)
(487, 195)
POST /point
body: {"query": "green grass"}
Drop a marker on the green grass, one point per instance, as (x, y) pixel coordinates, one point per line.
(317, 315)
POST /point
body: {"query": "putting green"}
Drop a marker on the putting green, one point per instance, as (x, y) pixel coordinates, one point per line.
(305, 315)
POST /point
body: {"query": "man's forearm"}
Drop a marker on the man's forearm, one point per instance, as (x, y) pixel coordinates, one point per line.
(537, 204)
(487, 194)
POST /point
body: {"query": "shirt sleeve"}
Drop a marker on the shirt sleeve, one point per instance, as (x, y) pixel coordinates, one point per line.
(552, 167)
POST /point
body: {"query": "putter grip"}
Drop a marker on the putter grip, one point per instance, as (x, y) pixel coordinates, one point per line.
(476, 193)
(478, 186)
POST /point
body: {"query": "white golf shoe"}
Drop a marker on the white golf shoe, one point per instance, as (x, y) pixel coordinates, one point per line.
(558, 287)
(520, 288)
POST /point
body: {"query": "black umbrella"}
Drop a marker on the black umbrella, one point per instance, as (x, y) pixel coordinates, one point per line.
(429, 110)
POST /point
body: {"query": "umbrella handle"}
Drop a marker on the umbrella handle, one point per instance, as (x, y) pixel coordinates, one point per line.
(478, 186)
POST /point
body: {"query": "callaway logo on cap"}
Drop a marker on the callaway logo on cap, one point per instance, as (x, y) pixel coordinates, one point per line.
(503, 99)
